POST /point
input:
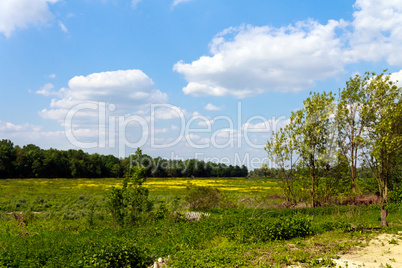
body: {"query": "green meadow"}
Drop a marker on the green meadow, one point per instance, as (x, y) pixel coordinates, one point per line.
(67, 223)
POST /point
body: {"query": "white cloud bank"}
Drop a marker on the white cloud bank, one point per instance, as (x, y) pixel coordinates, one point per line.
(125, 89)
(23, 13)
(250, 60)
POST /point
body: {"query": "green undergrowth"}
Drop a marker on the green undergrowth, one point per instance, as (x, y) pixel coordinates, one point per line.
(75, 228)
(228, 238)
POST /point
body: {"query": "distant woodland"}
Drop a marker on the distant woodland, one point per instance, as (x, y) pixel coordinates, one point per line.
(30, 161)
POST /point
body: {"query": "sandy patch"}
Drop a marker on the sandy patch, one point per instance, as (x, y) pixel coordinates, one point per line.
(381, 250)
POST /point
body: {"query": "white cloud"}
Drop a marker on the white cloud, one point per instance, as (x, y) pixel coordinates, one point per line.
(28, 133)
(377, 31)
(23, 13)
(134, 3)
(228, 133)
(251, 60)
(267, 126)
(169, 112)
(63, 27)
(397, 77)
(127, 90)
(206, 123)
(177, 2)
(6, 127)
(47, 90)
(259, 59)
(211, 107)
(52, 75)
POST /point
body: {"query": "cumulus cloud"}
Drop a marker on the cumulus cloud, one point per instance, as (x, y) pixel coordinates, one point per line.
(206, 122)
(125, 90)
(266, 125)
(258, 59)
(28, 133)
(9, 127)
(397, 77)
(250, 60)
(23, 13)
(47, 90)
(211, 107)
(377, 31)
(167, 111)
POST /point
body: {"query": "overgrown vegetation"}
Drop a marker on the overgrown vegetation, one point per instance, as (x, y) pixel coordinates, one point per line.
(319, 150)
(75, 228)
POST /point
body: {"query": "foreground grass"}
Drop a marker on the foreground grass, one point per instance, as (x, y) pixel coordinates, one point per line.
(74, 229)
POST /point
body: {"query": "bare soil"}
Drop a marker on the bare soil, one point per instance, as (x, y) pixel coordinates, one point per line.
(385, 250)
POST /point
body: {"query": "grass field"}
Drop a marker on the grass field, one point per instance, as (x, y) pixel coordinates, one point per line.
(16, 194)
(65, 223)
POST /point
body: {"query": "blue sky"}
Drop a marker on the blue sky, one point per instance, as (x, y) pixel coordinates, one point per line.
(202, 72)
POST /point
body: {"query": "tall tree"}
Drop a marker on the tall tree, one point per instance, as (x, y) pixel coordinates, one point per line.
(351, 127)
(382, 112)
(281, 151)
(313, 126)
(6, 158)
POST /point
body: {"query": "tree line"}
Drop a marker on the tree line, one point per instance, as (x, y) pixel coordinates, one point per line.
(30, 161)
(334, 136)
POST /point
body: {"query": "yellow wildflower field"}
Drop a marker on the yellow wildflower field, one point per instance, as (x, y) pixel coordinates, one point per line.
(10, 188)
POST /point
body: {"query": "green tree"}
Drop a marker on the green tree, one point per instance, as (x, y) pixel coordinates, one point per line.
(6, 158)
(281, 151)
(33, 160)
(351, 127)
(382, 113)
(313, 136)
(130, 203)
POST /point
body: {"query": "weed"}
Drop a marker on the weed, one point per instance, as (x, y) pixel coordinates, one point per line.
(393, 242)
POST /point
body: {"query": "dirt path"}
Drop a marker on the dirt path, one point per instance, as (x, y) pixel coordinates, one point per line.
(385, 251)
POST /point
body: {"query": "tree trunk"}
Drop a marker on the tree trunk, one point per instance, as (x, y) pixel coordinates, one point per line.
(354, 179)
(384, 213)
(312, 181)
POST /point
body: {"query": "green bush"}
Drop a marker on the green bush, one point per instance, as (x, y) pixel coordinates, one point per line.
(270, 229)
(130, 204)
(60, 250)
(204, 197)
(115, 253)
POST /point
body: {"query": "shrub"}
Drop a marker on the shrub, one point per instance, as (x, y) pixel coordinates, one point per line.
(204, 197)
(269, 229)
(130, 203)
(116, 253)
(88, 250)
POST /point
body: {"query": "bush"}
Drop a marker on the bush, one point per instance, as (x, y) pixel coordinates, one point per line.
(116, 253)
(204, 197)
(269, 229)
(86, 250)
(130, 204)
